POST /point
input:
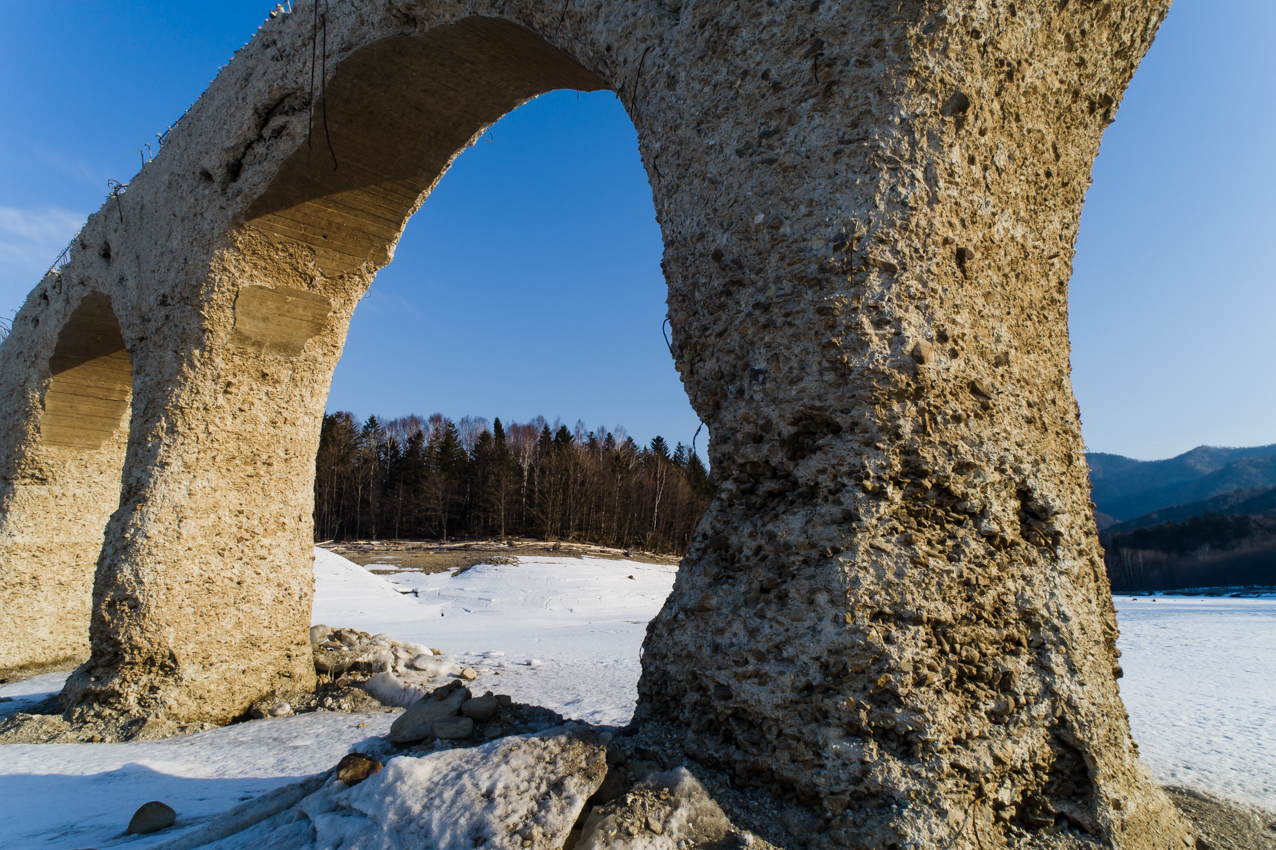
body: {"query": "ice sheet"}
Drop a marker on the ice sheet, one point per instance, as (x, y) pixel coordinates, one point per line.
(1200, 686)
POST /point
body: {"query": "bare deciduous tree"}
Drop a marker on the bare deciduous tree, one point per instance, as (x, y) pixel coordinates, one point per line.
(433, 478)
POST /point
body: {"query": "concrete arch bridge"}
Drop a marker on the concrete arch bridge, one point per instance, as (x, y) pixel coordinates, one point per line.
(895, 611)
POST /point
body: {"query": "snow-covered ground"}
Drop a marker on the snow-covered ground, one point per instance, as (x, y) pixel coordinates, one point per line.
(82, 795)
(1200, 686)
(566, 633)
(560, 632)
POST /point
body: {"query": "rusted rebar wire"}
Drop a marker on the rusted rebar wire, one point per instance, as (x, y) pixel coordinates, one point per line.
(162, 138)
(318, 22)
(62, 258)
(323, 86)
(116, 188)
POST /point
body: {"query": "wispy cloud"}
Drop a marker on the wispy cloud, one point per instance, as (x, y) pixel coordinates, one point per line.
(38, 226)
(29, 242)
(72, 166)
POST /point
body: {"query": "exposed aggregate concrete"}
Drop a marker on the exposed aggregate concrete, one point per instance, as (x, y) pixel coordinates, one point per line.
(895, 610)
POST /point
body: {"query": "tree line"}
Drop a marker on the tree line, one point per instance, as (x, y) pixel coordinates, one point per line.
(1213, 550)
(436, 479)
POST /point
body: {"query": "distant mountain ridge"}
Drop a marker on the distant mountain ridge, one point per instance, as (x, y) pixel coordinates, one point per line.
(1251, 501)
(1206, 518)
(1125, 488)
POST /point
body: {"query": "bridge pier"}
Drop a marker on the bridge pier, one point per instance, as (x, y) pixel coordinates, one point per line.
(67, 397)
(896, 608)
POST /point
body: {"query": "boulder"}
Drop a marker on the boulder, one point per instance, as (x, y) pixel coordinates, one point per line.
(151, 817)
(453, 728)
(482, 709)
(417, 723)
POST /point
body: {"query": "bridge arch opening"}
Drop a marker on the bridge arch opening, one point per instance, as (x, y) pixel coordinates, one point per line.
(92, 379)
(393, 118)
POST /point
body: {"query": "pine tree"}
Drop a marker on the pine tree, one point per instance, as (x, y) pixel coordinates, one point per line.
(370, 478)
(334, 467)
(680, 456)
(448, 462)
(506, 477)
(698, 477)
(414, 470)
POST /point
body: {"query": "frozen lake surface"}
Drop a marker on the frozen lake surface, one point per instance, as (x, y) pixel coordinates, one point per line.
(1200, 686)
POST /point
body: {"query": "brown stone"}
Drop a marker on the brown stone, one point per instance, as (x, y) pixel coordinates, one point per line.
(833, 181)
(151, 817)
(356, 767)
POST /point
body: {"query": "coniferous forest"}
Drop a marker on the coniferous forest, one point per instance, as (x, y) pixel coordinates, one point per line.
(435, 479)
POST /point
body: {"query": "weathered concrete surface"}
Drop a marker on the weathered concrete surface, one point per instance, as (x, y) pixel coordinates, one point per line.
(59, 474)
(898, 598)
(896, 609)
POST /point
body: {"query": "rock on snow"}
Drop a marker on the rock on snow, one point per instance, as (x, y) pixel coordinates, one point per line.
(497, 796)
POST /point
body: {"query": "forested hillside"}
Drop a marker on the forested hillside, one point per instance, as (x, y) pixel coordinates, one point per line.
(1126, 488)
(412, 478)
(1204, 551)
(1206, 518)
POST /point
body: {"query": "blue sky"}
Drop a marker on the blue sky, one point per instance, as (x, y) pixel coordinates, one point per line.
(529, 283)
